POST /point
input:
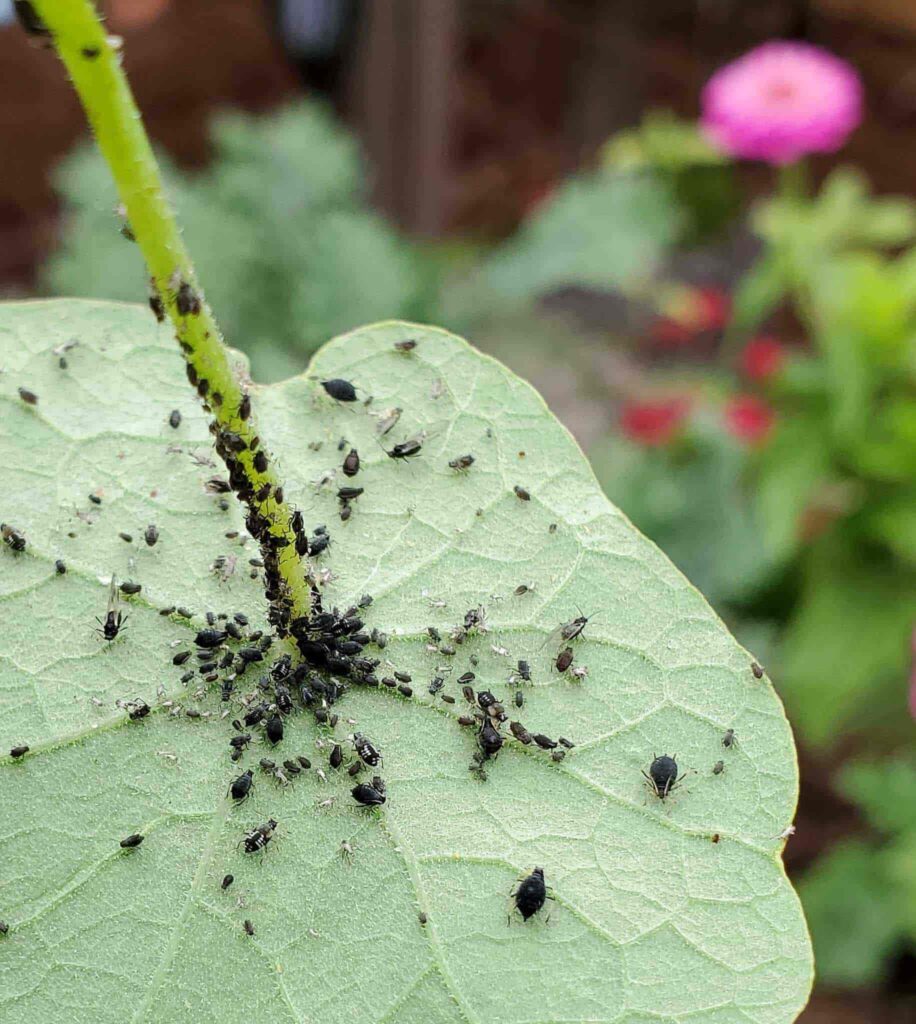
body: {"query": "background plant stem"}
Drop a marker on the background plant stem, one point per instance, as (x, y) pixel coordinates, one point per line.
(93, 61)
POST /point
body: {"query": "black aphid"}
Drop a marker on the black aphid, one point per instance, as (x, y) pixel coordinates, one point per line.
(96, 499)
(227, 881)
(662, 776)
(241, 786)
(151, 535)
(137, 709)
(466, 677)
(519, 699)
(245, 407)
(260, 462)
(349, 493)
(403, 677)
(318, 544)
(564, 659)
(29, 397)
(114, 620)
(408, 345)
(366, 750)
(367, 795)
(292, 767)
(566, 743)
(210, 638)
(351, 463)
(728, 740)
(240, 741)
(485, 699)
(530, 894)
(12, 537)
(520, 733)
(521, 493)
(405, 690)
(19, 751)
(131, 841)
(448, 698)
(130, 588)
(462, 463)
(468, 692)
(187, 301)
(248, 926)
(274, 728)
(4, 928)
(126, 537)
(155, 302)
(544, 742)
(335, 760)
(340, 390)
(259, 836)
(60, 567)
(718, 768)
(175, 419)
(757, 670)
(489, 739)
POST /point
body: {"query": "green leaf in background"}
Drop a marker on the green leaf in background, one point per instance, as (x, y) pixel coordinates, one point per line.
(696, 506)
(653, 920)
(846, 651)
(851, 906)
(597, 231)
(861, 897)
(280, 230)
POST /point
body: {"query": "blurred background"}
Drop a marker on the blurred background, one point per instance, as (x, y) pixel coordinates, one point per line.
(733, 346)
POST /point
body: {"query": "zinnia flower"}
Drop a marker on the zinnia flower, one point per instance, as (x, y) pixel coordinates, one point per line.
(782, 101)
(762, 358)
(749, 419)
(653, 423)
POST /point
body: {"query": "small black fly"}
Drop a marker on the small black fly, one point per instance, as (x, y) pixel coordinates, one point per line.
(114, 620)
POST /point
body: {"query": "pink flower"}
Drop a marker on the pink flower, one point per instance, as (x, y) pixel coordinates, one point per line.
(749, 419)
(653, 423)
(781, 101)
(762, 358)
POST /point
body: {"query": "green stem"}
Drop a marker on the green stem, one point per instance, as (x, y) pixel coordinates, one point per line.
(93, 61)
(792, 181)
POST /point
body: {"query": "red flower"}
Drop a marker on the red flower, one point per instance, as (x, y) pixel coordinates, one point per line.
(653, 423)
(690, 312)
(749, 418)
(762, 358)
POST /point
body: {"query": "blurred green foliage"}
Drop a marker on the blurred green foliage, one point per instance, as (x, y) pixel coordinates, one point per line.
(861, 898)
(281, 232)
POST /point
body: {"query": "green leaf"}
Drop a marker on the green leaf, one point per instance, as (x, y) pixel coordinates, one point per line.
(652, 920)
(850, 901)
(835, 682)
(885, 792)
(596, 231)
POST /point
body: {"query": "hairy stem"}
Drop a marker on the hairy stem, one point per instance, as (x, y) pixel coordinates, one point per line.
(93, 61)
